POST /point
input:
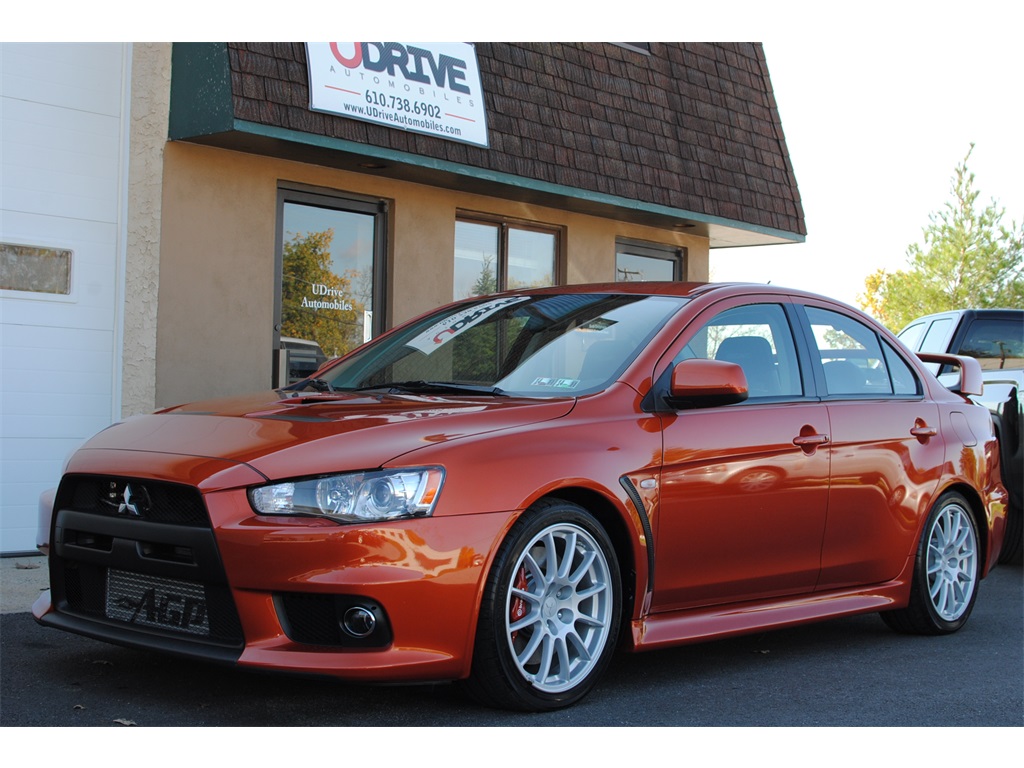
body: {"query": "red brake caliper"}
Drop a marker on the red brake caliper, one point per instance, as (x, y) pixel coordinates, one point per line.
(518, 607)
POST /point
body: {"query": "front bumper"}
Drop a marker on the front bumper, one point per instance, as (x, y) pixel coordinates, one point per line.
(269, 593)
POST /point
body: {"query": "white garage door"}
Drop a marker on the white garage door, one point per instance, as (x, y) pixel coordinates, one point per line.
(63, 148)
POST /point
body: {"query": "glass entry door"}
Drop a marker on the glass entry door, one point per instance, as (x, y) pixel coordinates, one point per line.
(330, 271)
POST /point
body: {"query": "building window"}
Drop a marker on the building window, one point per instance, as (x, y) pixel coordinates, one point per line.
(647, 261)
(330, 257)
(35, 269)
(495, 256)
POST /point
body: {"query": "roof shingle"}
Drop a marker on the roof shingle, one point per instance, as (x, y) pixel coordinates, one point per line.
(692, 126)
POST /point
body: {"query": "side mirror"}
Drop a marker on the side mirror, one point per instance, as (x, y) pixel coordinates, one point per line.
(700, 383)
(971, 381)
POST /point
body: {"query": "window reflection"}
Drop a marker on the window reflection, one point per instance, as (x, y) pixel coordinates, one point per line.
(327, 274)
(492, 257)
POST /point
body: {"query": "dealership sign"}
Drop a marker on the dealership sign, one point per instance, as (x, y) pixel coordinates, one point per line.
(431, 88)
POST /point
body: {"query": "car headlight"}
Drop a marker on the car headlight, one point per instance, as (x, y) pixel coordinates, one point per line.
(355, 497)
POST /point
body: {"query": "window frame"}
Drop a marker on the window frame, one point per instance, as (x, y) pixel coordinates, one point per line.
(331, 199)
(656, 400)
(777, 319)
(675, 254)
(885, 348)
(504, 225)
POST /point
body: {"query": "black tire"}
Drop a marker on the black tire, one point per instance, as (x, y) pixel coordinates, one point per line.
(550, 612)
(1013, 538)
(946, 572)
(1011, 459)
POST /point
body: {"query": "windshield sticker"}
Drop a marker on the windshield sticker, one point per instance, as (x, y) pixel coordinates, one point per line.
(442, 332)
(600, 324)
(556, 383)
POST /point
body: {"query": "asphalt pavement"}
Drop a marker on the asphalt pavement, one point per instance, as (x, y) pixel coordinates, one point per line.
(846, 672)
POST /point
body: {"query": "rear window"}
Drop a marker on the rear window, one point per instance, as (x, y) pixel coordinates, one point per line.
(996, 343)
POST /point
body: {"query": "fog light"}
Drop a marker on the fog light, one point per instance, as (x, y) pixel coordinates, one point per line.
(359, 622)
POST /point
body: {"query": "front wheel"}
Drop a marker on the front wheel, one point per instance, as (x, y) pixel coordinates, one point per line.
(946, 572)
(550, 614)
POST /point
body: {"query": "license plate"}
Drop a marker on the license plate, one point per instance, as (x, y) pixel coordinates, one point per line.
(152, 601)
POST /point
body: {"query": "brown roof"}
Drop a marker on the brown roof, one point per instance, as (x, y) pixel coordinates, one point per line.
(691, 127)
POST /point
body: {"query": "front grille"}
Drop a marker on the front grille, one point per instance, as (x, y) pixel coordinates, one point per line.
(133, 499)
(133, 559)
(86, 595)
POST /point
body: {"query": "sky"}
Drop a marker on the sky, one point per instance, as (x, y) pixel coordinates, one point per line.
(879, 99)
(875, 128)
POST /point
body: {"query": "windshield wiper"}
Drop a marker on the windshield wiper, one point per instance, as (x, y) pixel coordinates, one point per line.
(424, 387)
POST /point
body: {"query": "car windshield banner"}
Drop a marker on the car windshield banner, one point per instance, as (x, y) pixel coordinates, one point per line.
(431, 88)
(445, 330)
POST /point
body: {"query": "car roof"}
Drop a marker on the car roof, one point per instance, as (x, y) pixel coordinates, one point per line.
(666, 288)
(954, 313)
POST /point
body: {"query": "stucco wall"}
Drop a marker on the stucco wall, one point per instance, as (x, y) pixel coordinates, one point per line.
(150, 98)
(217, 270)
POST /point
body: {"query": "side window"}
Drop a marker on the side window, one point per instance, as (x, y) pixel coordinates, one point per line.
(757, 337)
(854, 360)
(911, 335)
(938, 332)
(904, 382)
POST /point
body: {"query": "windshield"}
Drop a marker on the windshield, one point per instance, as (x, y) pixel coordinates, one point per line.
(542, 346)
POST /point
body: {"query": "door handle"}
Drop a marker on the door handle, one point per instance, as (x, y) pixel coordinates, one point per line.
(812, 440)
(809, 443)
(922, 431)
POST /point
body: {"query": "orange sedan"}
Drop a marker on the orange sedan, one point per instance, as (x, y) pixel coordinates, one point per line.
(504, 491)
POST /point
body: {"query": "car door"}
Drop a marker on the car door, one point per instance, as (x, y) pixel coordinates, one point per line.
(744, 487)
(884, 449)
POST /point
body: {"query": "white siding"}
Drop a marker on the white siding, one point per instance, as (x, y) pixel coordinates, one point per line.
(63, 145)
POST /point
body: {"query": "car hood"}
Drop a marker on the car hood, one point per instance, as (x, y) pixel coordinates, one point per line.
(319, 434)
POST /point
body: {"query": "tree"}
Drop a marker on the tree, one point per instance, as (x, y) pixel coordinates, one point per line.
(317, 304)
(487, 281)
(969, 260)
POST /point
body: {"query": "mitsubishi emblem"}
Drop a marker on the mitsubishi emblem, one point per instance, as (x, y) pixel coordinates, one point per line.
(133, 502)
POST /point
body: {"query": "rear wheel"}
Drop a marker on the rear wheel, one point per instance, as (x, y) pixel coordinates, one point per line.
(946, 570)
(550, 614)
(1013, 538)
(1011, 458)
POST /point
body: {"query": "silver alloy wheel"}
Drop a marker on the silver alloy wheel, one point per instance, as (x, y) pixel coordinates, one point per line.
(559, 607)
(952, 562)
